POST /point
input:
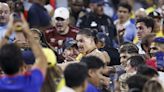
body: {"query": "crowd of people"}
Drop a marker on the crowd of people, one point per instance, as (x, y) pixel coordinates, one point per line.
(81, 45)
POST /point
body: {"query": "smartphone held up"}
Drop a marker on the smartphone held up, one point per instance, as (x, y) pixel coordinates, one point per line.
(18, 9)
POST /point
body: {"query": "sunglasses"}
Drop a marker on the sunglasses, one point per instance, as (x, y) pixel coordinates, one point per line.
(154, 48)
(59, 19)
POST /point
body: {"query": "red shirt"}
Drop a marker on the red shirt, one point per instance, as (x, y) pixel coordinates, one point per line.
(56, 40)
(152, 63)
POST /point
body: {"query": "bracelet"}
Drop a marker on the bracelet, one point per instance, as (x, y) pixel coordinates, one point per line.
(6, 37)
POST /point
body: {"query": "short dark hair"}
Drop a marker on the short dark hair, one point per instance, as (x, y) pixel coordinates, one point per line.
(10, 59)
(92, 62)
(147, 71)
(75, 74)
(125, 5)
(136, 61)
(148, 21)
(136, 86)
(129, 48)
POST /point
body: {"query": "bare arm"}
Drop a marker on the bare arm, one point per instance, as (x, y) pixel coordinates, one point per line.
(9, 31)
(41, 62)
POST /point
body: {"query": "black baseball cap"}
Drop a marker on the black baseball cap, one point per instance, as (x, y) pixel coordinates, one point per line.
(68, 43)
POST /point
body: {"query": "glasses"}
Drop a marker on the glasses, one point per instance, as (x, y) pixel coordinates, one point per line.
(153, 48)
(59, 19)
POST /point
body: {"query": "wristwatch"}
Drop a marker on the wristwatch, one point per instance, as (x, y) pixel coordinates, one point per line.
(6, 37)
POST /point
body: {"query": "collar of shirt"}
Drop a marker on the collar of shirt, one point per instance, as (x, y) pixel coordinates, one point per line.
(66, 89)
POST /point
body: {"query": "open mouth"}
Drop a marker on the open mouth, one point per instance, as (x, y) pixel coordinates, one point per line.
(81, 49)
(59, 26)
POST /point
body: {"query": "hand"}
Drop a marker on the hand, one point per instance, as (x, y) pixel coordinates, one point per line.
(105, 81)
(25, 24)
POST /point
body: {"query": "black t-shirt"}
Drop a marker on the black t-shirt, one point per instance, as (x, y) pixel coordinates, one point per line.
(38, 16)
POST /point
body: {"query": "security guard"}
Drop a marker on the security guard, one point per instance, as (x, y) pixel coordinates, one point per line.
(98, 20)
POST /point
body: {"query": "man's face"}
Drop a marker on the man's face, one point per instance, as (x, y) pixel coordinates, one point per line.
(96, 76)
(157, 24)
(21, 41)
(61, 24)
(140, 14)
(123, 13)
(142, 30)
(153, 49)
(99, 9)
(76, 5)
(71, 53)
(129, 68)
(4, 13)
(124, 57)
(83, 43)
(36, 36)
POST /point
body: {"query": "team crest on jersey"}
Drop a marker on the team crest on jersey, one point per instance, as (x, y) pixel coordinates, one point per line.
(52, 40)
(60, 42)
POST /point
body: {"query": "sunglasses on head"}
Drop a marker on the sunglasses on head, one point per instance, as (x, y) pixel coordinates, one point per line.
(59, 19)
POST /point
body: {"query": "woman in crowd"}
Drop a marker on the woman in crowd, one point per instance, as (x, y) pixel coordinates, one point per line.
(86, 42)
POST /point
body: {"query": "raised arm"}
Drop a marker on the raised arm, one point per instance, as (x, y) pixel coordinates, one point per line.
(9, 31)
(41, 62)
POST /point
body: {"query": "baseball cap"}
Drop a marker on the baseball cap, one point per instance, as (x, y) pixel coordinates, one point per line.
(61, 12)
(69, 43)
(29, 57)
(101, 37)
(155, 14)
(159, 40)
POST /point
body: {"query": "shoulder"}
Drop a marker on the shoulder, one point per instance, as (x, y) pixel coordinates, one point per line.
(33, 7)
(91, 88)
(99, 54)
(49, 30)
(74, 29)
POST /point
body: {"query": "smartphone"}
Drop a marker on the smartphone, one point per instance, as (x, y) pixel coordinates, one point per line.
(17, 17)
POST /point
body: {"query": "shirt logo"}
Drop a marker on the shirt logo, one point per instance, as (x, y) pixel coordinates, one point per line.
(52, 40)
(93, 24)
(60, 42)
